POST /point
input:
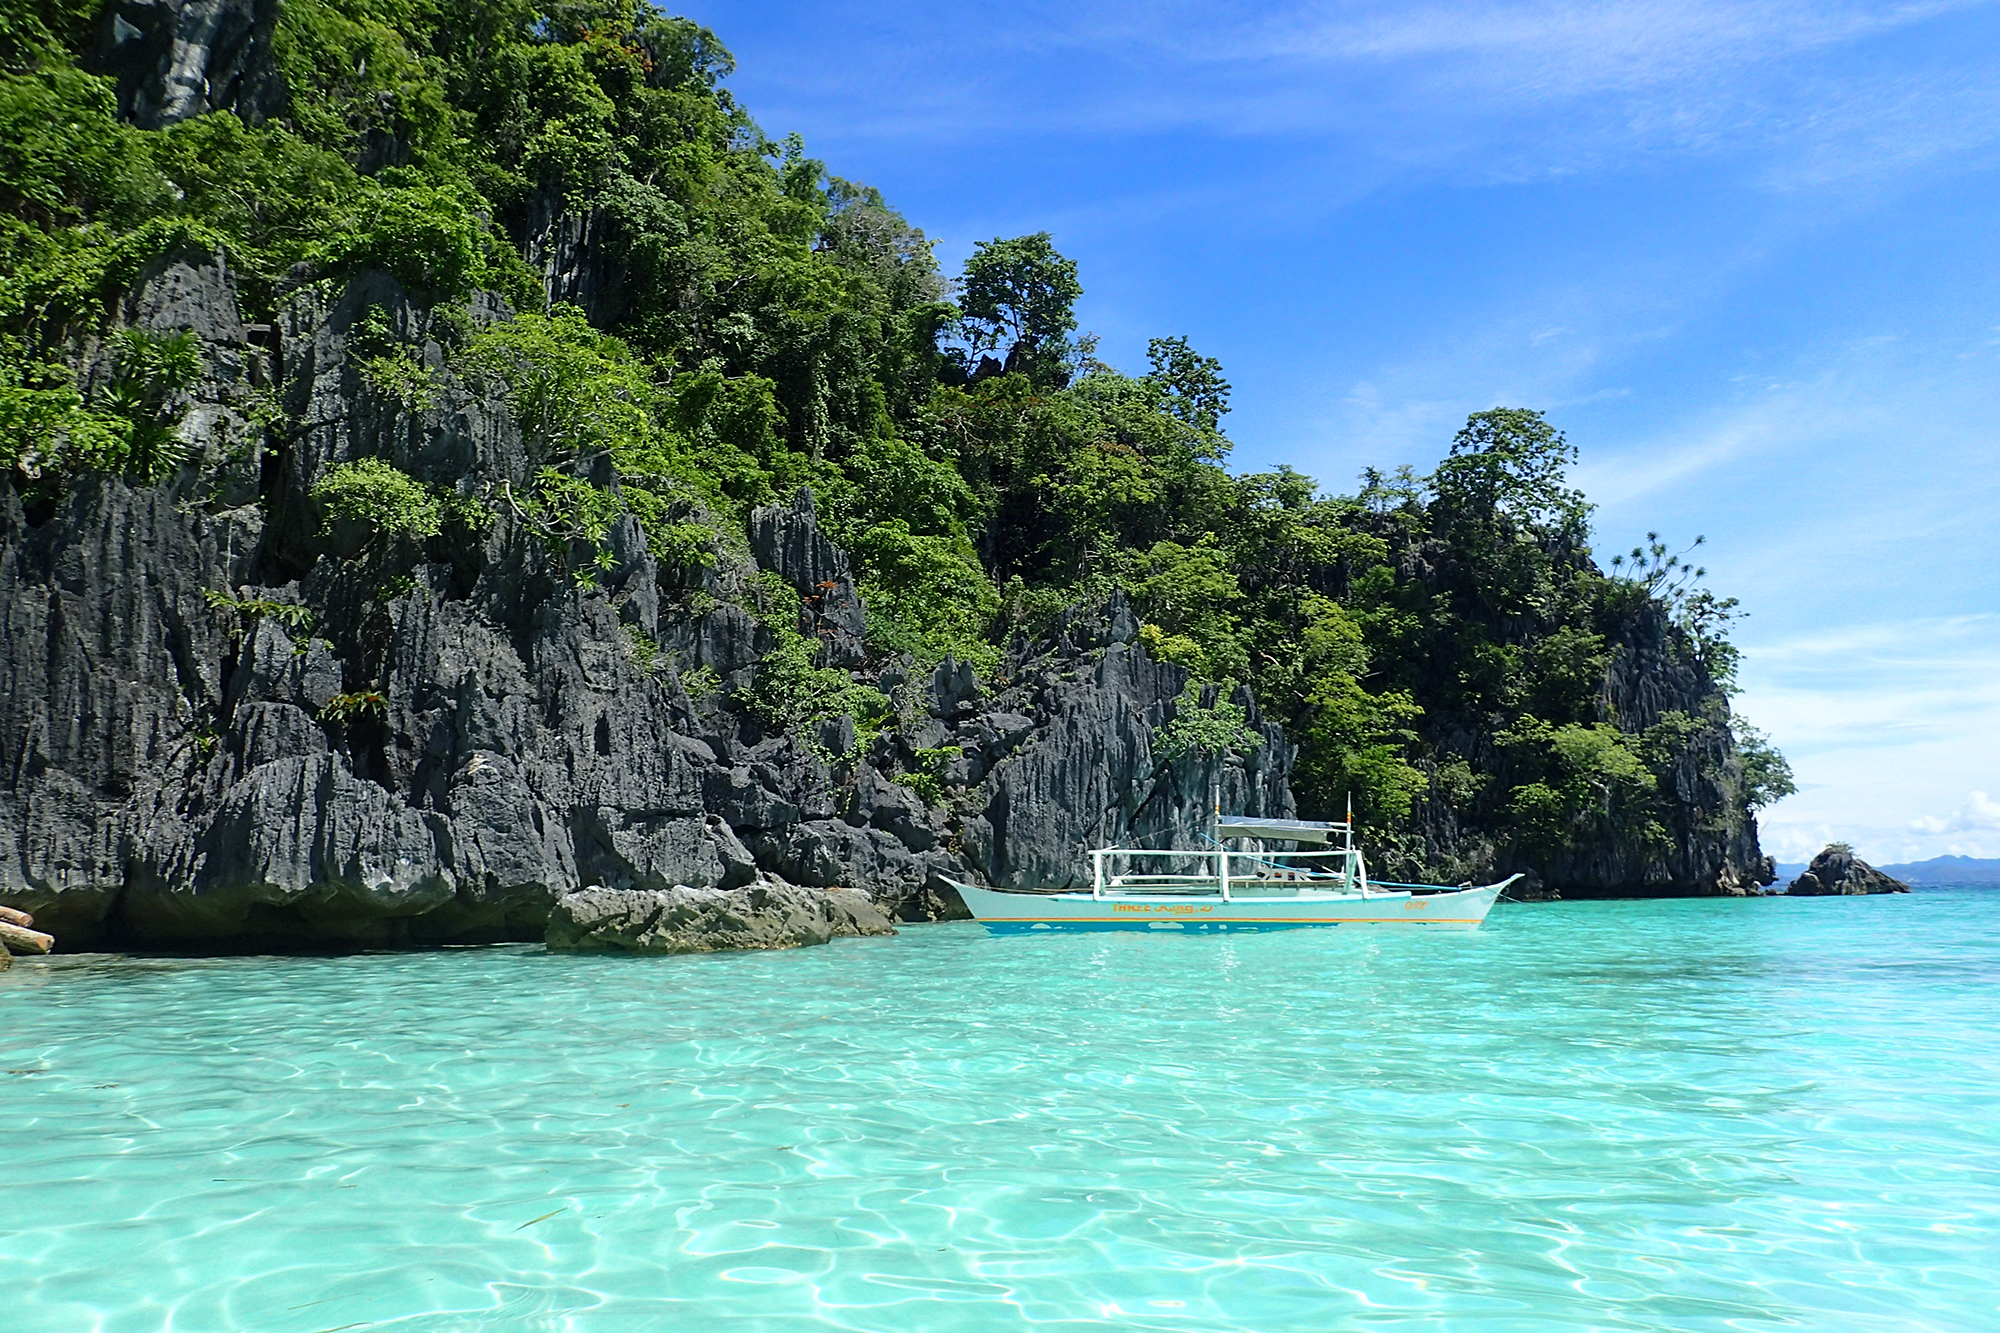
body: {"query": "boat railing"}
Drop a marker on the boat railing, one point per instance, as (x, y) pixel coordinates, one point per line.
(1346, 870)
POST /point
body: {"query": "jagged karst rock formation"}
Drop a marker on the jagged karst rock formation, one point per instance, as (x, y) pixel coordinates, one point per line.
(171, 777)
(172, 59)
(1708, 846)
(1837, 870)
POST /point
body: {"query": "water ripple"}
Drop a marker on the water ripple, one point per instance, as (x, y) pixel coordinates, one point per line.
(1617, 1116)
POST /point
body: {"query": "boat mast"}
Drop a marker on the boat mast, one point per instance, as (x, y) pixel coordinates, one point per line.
(1348, 832)
(1215, 836)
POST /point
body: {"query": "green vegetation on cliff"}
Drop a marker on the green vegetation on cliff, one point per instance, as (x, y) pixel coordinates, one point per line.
(706, 319)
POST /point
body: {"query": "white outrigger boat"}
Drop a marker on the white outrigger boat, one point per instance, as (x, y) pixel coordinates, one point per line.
(1236, 889)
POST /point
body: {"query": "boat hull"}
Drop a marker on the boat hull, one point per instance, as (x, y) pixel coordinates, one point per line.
(1004, 912)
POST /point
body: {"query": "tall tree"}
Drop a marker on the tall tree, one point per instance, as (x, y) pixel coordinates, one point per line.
(1191, 384)
(1022, 294)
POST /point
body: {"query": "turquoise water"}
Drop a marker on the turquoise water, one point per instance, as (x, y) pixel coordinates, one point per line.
(1682, 1115)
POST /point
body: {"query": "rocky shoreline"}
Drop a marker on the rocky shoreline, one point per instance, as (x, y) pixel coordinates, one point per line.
(765, 915)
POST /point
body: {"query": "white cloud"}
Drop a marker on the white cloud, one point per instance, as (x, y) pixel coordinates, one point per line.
(1884, 723)
(1568, 48)
(1980, 813)
(1644, 467)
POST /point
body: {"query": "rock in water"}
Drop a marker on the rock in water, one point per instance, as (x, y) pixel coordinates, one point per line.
(1837, 870)
(769, 914)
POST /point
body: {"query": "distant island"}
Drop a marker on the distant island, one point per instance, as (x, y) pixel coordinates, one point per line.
(1938, 871)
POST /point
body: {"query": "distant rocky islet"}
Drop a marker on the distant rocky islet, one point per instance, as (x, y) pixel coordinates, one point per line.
(1837, 871)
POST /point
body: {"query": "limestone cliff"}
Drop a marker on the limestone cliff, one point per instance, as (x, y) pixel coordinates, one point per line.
(614, 641)
(171, 772)
(1700, 840)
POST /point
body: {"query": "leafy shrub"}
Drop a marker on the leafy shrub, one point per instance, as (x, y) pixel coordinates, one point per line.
(381, 495)
(344, 709)
(1766, 775)
(469, 513)
(645, 652)
(1191, 595)
(700, 683)
(130, 426)
(65, 158)
(1176, 648)
(149, 370)
(289, 614)
(1194, 729)
(387, 366)
(682, 544)
(675, 544)
(575, 392)
(426, 233)
(46, 431)
(926, 596)
(928, 779)
(566, 512)
(581, 397)
(791, 693)
(1585, 778)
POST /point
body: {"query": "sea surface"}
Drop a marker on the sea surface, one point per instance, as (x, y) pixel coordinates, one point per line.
(1691, 1115)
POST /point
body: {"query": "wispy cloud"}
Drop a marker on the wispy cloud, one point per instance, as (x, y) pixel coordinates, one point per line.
(1880, 720)
(1551, 352)
(1518, 90)
(1559, 48)
(1979, 814)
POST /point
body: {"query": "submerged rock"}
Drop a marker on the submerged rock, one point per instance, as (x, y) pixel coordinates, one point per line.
(1837, 870)
(769, 914)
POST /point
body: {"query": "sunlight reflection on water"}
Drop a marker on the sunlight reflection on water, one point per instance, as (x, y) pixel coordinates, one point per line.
(1681, 1115)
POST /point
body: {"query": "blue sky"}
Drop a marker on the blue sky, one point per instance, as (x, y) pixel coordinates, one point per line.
(1744, 254)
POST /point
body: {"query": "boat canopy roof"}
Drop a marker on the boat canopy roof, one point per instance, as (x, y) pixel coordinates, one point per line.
(1296, 830)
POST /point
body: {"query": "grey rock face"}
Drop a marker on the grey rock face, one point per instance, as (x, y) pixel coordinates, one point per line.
(222, 725)
(1083, 773)
(1837, 870)
(575, 253)
(1710, 846)
(172, 772)
(173, 59)
(788, 542)
(690, 920)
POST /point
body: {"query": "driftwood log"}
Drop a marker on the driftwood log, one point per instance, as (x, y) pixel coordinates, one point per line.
(6, 959)
(25, 940)
(15, 916)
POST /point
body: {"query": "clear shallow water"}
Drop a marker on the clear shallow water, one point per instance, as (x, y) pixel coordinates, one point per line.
(1683, 1115)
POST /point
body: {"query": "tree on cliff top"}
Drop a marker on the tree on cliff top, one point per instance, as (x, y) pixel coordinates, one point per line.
(1021, 294)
